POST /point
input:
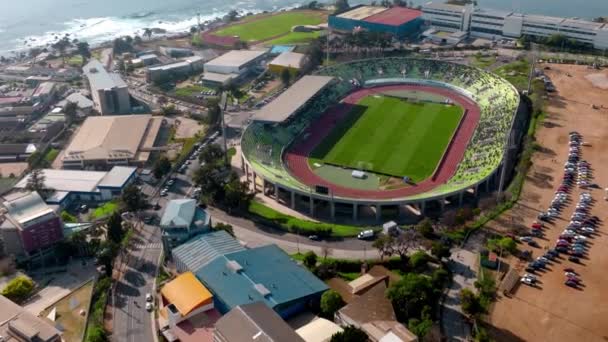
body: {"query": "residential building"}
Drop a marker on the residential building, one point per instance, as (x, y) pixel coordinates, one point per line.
(44, 93)
(106, 141)
(318, 330)
(496, 24)
(10, 153)
(253, 322)
(400, 22)
(265, 274)
(202, 249)
(110, 93)
(84, 104)
(232, 66)
(177, 69)
(52, 122)
(29, 225)
(182, 220)
(184, 297)
(68, 186)
(18, 325)
(291, 61)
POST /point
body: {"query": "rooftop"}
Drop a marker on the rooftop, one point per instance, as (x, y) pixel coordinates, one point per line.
(289, 59)
(292, 99)
(182, 63)
(112, 137)
(395, 16)
(236, 58)
(371, 306)
(117, 177)
(44, 88)
(264, 274)
(443, 6)
(179, 213)
(362, 12)
(24, 207)
(67, 180)
(255, 322)
(201, 250)
(186, 293)
(14, 318)
(318, 330)
(80, 100)
(99, 78)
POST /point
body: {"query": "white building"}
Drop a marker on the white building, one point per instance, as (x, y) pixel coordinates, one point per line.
(495, 24)
(110, 93)
(232, 65)
(181, 68)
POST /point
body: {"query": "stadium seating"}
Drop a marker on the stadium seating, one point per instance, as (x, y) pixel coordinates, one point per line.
(263, 145)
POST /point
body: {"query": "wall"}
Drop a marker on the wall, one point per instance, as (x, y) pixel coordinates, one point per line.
(42, 235)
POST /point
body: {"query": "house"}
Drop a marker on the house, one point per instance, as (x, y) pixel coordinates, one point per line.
(183, 298)
(69, 186)
(318, 330)
(253, 322)
(202, 249)
(182, 220)
(29, 225)
(264, 274)
(18, 324)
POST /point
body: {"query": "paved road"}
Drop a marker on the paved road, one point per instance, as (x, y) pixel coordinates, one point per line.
(132, 323)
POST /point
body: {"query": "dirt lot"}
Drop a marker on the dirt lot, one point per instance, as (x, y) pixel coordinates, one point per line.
(553, 311)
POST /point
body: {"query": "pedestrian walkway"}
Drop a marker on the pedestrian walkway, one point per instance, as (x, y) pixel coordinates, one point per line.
(157, 245)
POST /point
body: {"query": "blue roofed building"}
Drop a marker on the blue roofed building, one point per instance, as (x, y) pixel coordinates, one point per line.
(265, 274)
(203, 249)
(182, 220)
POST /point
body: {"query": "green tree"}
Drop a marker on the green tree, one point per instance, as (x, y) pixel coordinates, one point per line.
(84, 51)
(440, 250)
(97, 334)
(147, 33)
(411, 294)
(70, 111)
(214, 113)
(341, 6)
(285, 76)
(440, 278)
(418, 261)
(350, 334)
(310, 260)
(211, 154)
(425, 228)
(18, 289)
(232, 15)
(225, 227)
(506, 244)
(331, 301)
(133, 198)
(470, 303)
(162, 166)
(35, 182)
(237, 194)
(68, 218)
(105, 255)
(384, 245)
(115, 230)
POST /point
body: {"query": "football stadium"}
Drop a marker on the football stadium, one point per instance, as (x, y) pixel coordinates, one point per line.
(383, 132)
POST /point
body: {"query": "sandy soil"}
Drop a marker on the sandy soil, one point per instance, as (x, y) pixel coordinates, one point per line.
(552, 311)
(12, 168)
(187, 128)
(599, 80)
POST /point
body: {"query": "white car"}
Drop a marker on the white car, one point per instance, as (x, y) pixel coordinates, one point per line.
(580, 238)
(571, 274)
(525, 239)
(149, 298)
(528, 281)
(531, 276)
(588, 230)
(149, 306)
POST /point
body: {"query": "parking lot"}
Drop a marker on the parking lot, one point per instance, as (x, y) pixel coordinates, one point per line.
(551, 310)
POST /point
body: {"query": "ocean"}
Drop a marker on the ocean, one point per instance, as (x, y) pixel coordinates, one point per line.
(27, 23)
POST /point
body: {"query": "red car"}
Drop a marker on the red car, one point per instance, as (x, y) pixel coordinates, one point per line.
(537, 225)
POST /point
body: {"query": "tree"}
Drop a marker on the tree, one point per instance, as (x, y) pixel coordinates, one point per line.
(418, 261)
(326, 250)
(470, 303)
(61, 46)
(162, 166)
(68, 218)
(105, 255)
(225, 227)
(406, 241)
(211, 154)
(232, 15)
(35, 182)
(70, 111)
(411, 294)
(341, 6)
(97, 334)
(137, 40)
(132, 198)
(506, 244)
(313, 5)
(285, 76)
(384, 245)
(440, 250)
(237, 194)
(310, 260)
(147, 33)
(115, 230)
(18, 289)
(84, 51)
(425, 228)
(350, 334)
(331, 301)
(214, 113)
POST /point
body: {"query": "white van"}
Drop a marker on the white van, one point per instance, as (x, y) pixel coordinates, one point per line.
(366, 234)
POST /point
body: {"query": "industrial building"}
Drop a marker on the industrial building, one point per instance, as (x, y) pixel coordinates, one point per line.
(291, 61)
(106, 141)
(29, 225)
(496, 24)
(68, 186)
(110, 93)
(400, 22)
(178, 69)
(231, 66)
(10, 153)
(203, 249)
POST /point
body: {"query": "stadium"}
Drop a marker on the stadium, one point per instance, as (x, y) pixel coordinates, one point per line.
(375, 134)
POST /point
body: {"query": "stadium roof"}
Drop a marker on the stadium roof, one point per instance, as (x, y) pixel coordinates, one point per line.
(236, 58)
(394, 16)
(362, 12)
(292, 99)
(99, 78)
(186, 293)
(201, 250)
(289, 59)
(112, 137)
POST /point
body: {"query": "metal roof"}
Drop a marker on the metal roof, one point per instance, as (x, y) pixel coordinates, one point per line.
(26, 206)
(236, 58)
(362, 12)
(100, 78)
(14, 317)
(186, 293)
(68, 180)
(201, 250)
(117, 177)
(292, 99)
(289, 59)
(268, 266)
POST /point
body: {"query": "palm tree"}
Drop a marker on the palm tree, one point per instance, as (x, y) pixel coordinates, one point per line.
(148, 33)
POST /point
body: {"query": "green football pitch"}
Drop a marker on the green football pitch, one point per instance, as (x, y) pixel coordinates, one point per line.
(390, 136)
(266, 27)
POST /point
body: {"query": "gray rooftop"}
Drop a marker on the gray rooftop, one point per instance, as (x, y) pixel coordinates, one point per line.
(99, 78)
(117, 177)
(24, 207)
(292, 99)
(183, 63)
(236, 58)
(203, 249)
(13, 318)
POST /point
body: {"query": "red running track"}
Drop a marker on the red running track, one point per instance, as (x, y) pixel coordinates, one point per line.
(296, 158)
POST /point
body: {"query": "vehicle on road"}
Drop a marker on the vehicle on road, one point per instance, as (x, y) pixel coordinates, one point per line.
(366, 234)
(149, 306)
(314, 237)
(149, 298)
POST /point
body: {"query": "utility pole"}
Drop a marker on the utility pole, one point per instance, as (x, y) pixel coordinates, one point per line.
(327, 47)
(223, 103)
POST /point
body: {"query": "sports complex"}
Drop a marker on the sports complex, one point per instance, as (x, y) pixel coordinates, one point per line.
(381, 133)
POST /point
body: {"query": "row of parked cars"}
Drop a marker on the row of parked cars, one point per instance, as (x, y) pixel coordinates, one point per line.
(574, 239)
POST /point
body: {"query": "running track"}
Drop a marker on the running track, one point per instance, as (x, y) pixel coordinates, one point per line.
(296, 158)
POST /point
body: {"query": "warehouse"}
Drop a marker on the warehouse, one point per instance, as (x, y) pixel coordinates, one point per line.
(291, 61)
(231, 66)
(400, 22)
(178, 69)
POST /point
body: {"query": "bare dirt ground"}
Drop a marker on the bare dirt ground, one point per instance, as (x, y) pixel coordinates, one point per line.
(553, 311)
(187, 128)
(15, 169)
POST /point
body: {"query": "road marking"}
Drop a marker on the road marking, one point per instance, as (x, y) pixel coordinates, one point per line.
(157, 245)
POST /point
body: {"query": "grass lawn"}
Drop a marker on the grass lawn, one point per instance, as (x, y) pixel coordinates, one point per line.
(483, 62)
(295, 38)
(75, 61)
(189, 91)
(68, 312)
(389, 136)
(271, 26)
(105, 210)
(516, 73)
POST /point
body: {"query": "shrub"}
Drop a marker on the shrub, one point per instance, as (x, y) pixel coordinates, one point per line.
(418, 261)
(331, 301)
(310, 259)
(18, 289)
